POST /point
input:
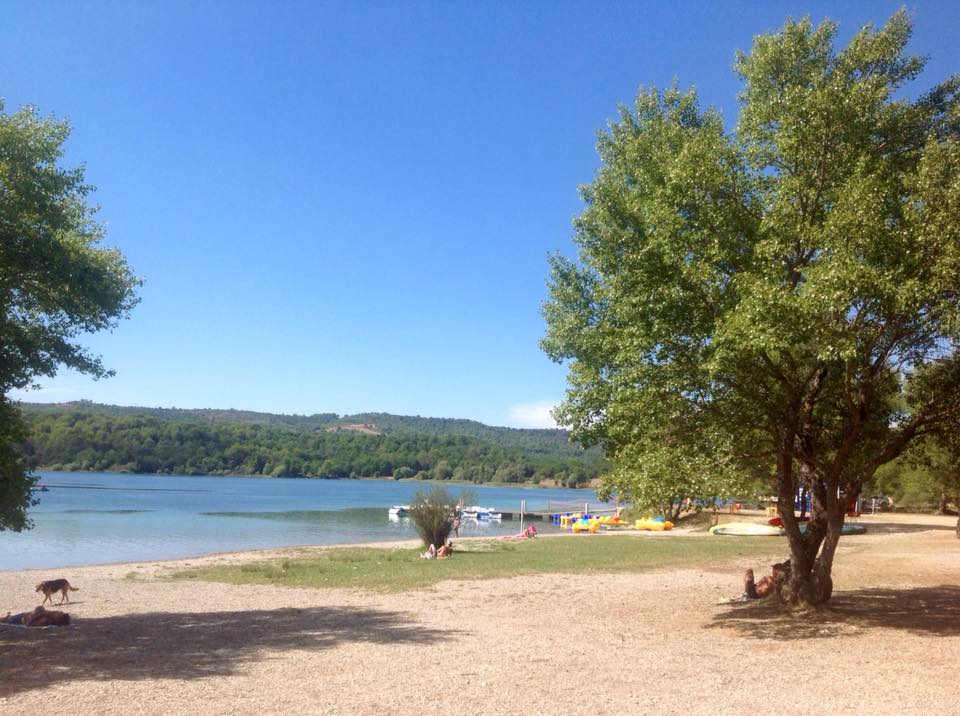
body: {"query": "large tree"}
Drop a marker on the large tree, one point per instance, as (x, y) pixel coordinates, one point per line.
(56, 283)
(755, 301)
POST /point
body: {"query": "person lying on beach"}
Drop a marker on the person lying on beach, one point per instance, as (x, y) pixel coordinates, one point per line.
(431, 553)
(749, 587)
(39, 617)
(769, 584)
(446, 550)
(759, 590)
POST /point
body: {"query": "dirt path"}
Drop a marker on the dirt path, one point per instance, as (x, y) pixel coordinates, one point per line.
(624, 644)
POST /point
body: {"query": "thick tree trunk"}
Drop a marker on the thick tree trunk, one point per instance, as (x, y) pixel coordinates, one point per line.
(821, 579)
(811, 552)
(672, 511)
(795, 589)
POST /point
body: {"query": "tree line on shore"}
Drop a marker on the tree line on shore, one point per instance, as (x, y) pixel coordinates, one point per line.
(100, 440)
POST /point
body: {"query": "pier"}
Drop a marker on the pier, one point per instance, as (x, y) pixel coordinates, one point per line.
(554, 509)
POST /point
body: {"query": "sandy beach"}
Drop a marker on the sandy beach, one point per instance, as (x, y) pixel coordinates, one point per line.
(573, 644)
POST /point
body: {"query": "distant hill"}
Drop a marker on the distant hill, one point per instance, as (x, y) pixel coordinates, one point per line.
(213, 415)
(91, 436)
(528, 440)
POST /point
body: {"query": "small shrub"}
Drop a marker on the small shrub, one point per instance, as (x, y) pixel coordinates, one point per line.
(432, 513)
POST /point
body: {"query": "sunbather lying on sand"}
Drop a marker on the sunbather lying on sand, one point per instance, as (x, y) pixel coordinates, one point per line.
(431, 553)
(764, 588)
(37, 618)
(531, 531)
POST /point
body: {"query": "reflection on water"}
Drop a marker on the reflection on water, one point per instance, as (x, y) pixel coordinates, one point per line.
(78, 486)
(88, 518)
(80, 511)
(365, 515)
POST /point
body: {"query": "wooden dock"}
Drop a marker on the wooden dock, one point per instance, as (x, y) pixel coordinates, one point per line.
(553, 511)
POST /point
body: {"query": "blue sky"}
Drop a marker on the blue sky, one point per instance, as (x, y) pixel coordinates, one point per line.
(346, 207)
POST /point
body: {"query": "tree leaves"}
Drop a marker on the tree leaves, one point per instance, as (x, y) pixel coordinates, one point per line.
(773, 288)
(56, 283)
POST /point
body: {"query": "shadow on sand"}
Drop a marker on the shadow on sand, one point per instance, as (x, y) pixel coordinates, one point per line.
(187, 646)
(924, 610)
(903, 527)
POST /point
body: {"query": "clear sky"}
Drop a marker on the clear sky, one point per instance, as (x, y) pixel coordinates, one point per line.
(347, 206)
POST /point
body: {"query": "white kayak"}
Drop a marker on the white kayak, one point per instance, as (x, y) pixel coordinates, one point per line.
(745, 529)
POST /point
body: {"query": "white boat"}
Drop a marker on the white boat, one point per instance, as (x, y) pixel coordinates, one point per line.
(745, 529)
(398, 510)
(480, 513)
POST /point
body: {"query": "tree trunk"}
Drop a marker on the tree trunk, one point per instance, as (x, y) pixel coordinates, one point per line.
(942, 504)
(795, 590)
(822, 580)
(812, 551)
(957, 503)
(671, 511)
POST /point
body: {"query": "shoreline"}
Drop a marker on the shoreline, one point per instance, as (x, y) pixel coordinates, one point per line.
(514, 485)
(252, 554)
(882, 524)
(188, 517)
(190, 646)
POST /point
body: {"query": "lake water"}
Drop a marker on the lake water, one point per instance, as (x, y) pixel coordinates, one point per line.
(93, 518)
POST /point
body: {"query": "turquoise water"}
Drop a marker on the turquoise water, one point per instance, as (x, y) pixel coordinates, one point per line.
(93, 518)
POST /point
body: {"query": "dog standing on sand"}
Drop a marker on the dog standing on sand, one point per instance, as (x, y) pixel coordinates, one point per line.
(52, 586)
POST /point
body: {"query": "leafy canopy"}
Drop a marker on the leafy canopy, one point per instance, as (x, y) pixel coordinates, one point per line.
(56, 283)
(749, 304)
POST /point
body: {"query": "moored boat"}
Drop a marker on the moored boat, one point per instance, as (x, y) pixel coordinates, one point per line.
(476, 512)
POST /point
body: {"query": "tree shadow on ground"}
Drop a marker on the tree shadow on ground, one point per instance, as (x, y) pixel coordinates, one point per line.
(923, 610)
(895, 527)
(188, 645)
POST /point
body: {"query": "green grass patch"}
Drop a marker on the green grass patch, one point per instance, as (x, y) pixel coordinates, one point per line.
(396, 570)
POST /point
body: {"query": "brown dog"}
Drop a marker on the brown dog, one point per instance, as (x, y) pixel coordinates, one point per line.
(52, 586)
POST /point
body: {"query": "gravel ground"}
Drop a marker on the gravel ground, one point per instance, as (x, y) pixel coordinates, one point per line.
(888, 644)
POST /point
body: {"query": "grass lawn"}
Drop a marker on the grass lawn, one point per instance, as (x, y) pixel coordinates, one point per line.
(397, 570)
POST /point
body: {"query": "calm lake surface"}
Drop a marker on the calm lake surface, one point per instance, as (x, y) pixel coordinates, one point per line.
(93, 518)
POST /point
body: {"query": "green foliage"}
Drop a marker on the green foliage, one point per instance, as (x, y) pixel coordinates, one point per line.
(433, 512)
(748, 305)
(400, 570)
(15, 481)
(927, 476)
(909, 484)
(85, 436)
(56, 283)
(528, 441)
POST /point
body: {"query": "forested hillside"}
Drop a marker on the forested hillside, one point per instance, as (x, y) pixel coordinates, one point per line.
(86, 436)
(213, 415)
(537, 442)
